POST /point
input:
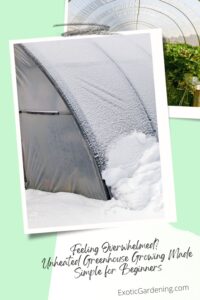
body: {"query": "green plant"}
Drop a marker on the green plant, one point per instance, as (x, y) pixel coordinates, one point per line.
(182, 63)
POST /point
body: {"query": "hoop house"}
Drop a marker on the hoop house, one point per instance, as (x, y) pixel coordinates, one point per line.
(76, 96)
(179, 19)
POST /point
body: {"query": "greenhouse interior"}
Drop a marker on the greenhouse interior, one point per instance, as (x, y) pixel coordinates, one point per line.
(180, 23)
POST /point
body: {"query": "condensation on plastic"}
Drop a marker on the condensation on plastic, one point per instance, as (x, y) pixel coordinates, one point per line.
(106, 81)
(56, 158)
(55, 155)
(35, 91)
(179, 19)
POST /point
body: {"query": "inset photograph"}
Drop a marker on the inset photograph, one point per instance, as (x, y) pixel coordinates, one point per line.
(93, 132)
(180, 23)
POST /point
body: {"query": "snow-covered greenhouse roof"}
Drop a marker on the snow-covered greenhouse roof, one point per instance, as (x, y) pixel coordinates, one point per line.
(179, 19)
(100, 82)
(100, 88)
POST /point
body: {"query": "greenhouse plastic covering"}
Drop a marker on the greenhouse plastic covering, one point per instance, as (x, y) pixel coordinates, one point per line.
(107, 85)
(55, 155)
(179, 19)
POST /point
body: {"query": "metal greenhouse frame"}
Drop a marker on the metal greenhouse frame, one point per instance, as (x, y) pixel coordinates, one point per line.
(139, 14)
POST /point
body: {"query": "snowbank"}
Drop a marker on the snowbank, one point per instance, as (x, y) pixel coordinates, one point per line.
(133, 171)
(134, 176)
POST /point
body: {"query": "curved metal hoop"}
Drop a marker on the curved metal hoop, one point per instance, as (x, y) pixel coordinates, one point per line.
(139, 7)
(166, 15)
(196, 32)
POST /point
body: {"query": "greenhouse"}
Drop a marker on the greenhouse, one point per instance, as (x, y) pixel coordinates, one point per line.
(179, 19)
(180, 24)
(76, 96)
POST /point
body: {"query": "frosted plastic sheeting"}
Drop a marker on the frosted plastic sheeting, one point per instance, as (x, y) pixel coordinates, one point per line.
(179, 19)
(141, 52)
(101, 91)
(56, 158)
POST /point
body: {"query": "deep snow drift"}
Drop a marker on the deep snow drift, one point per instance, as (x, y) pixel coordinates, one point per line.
(134, 176)
(133, 171)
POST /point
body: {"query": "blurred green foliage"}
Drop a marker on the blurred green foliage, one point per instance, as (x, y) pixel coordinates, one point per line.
(182, 63)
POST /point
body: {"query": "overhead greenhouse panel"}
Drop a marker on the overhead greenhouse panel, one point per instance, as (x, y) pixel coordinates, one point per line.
(179, 19)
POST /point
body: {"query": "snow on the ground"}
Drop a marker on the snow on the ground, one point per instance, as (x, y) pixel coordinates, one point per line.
(134, 175)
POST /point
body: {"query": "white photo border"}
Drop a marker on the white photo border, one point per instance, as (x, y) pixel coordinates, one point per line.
(184, 112)
(163, 133)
